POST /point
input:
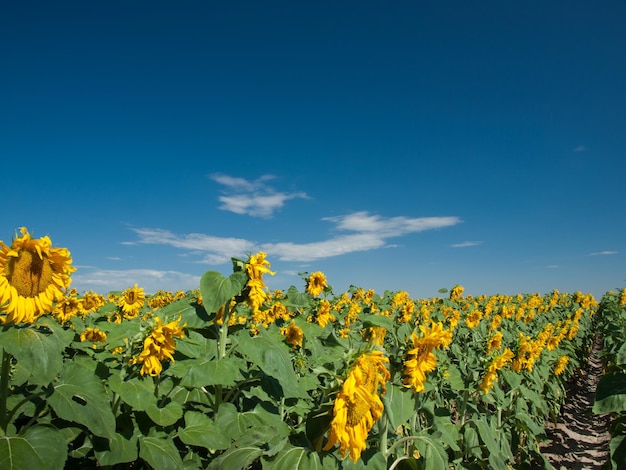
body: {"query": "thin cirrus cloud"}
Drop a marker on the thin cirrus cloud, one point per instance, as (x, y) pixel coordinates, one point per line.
(254, 198)
(464, 244)
(372, 231)
(151, 280)
(599, 253)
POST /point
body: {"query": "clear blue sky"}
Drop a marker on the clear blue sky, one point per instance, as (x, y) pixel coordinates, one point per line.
(403, 145)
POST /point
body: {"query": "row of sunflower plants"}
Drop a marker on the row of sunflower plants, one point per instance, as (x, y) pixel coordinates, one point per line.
(234, 376)
(611, 391)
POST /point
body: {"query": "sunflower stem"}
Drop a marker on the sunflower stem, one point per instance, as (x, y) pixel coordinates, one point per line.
(4, 389)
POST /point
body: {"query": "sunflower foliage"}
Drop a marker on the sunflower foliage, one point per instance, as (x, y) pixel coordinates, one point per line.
(231, 375)
(610, 397)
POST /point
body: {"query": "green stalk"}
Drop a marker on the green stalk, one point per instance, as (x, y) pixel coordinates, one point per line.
(4, 390)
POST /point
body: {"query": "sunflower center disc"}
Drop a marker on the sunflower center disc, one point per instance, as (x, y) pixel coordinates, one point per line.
(30, 274)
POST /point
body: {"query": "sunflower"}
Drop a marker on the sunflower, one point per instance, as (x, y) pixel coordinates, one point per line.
(358, 405)
(316, 283)
(559, 368)
(420, 359)
(491, 375)
(256, 266)
(293, 334)
(94, 335)
(159, 345)
(131, 300)
(33, 276)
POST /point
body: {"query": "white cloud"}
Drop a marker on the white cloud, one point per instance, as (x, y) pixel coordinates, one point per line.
(252, 198)
(603, 253)
(390, 227)
(464, 244)
(220, 249)
(372, 233)
(151, 280)
(342, 245)
(580, 148)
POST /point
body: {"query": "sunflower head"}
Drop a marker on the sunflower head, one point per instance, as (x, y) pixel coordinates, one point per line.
(33, 275)
(316, 283)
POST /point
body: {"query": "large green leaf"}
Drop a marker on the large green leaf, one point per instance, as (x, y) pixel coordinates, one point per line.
(39, 350)
(299, 458)
(201, 431)
(217, 289)
(195, 345)
(611, 394)
(136, 392)
(236, 458)
(202, 372)
(269, 352)
(376, 321)
(235, 424)
(39, 448)
(117, 450)
(167, 415)
(399, 405)
(160, 453)
(79, 396)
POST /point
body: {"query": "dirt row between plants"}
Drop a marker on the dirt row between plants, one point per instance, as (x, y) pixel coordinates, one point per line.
(580, 439)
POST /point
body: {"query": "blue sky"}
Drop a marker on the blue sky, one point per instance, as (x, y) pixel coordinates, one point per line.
(392, 145)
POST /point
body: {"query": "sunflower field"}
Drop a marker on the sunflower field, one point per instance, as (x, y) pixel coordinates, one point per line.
(233, 376)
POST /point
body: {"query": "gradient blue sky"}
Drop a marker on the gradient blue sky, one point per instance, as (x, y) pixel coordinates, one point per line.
(403, 145)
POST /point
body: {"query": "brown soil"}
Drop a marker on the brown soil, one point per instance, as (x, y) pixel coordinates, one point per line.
(580, 439)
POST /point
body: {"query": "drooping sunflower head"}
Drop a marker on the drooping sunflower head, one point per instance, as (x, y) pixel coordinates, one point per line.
(33, 276)
(358, 405)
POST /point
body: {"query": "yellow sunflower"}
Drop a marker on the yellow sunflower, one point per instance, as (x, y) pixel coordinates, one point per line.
(316, 283)
(33, 276)
(158, 346)
(131, 300)
(358, 405)
(293, 334)
(256, 266)
(559, 368)
(420, 359)
(94, 335)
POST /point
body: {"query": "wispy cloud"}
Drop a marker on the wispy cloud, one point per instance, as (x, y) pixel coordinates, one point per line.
(580, 148)
(597, 253)
(151, 280)
(218, 249)
(464, 244)
(371, 232)
(254, 198)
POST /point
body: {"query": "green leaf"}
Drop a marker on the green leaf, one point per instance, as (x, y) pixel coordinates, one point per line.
(194, 345)
(167, 415)
(216, 289)
(433, 454)
(136, 392)
(208, 371)
(40, 351)
(399, 405)
(236, 458)
(235, 424)
(160, 453)
(611, 394)
(486, 434)
(39, 448)
(201, 431)
(270, 353)
(117, 450)
(620, 358)
(376, 320)
(79, 396)
(298, 458)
